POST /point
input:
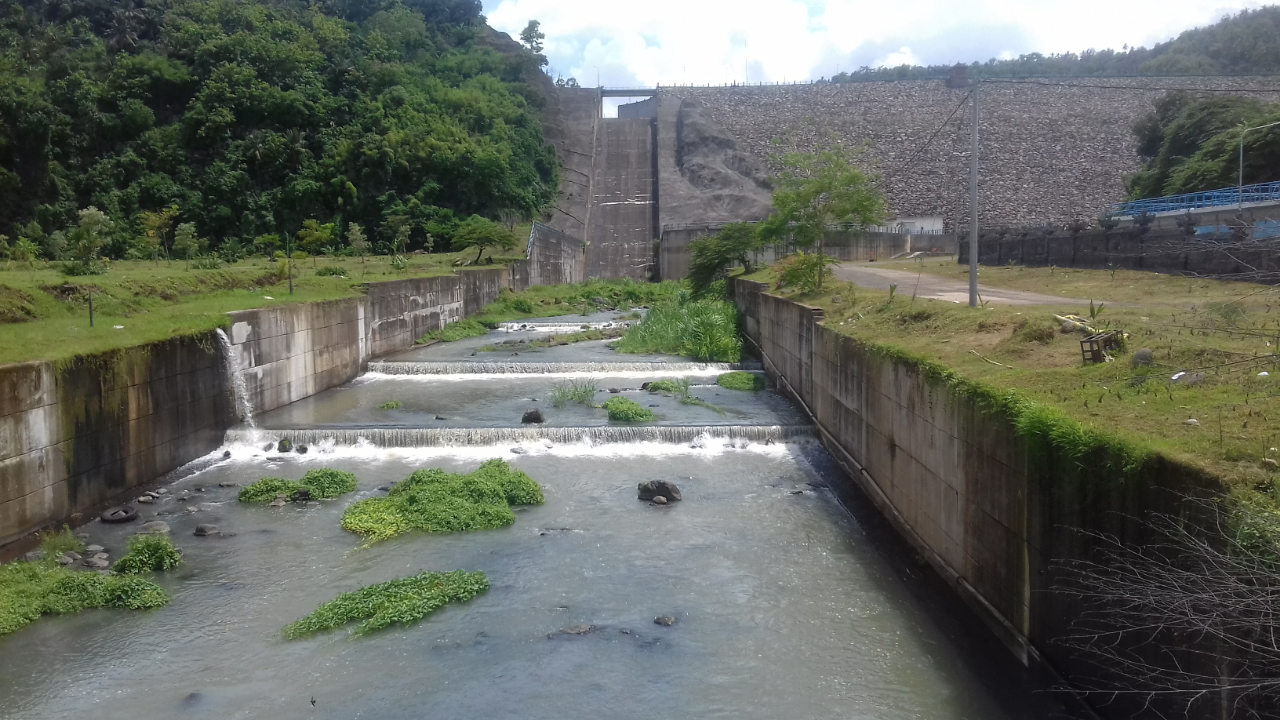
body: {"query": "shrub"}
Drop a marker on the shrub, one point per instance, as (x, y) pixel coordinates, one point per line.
(739, 380)
(322, 483)
(148, 553)
(403, 601)
(703, 330)
(206, 262)
(54, 544)
(31, 589)
(331, 271)
(625, 410)
(437, 501)
(804, 271)
(456, 331)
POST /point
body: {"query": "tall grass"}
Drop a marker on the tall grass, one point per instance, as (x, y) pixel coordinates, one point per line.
(704, 330)
(456, 331)
(573, 391)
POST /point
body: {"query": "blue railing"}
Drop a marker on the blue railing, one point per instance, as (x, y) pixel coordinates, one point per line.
(1262, 192)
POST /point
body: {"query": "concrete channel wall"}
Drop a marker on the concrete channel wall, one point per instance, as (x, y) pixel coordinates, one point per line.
(957, 480)
(79, 433)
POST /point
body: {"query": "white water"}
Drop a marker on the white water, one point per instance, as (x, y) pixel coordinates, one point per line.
(505, 368)
(244, 405)
(464, 437)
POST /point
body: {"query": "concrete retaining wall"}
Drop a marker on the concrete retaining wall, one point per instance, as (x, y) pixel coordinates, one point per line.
(956, 480)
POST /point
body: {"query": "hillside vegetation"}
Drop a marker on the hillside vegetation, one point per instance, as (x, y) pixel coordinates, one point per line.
(250, 118)
(1243, 44)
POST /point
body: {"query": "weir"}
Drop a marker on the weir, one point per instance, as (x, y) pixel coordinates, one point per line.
(467, 437)
(549, 368)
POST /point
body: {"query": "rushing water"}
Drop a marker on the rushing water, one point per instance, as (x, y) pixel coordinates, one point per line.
(244, 404)
(787, 605)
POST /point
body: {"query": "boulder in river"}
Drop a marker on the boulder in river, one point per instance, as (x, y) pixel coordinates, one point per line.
(300, 495)
(205, 530)
(653, 488)
(533, 416)
(156, 527)
(664, 620)
(284, 446)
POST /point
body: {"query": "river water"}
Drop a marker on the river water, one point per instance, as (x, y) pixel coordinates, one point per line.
(789, 602)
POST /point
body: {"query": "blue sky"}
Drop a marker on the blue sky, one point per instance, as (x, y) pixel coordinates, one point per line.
(642, 43)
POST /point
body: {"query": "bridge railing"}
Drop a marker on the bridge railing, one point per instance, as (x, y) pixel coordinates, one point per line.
(1261, 192)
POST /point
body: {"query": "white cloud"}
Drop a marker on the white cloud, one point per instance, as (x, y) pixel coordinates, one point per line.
(721, 41)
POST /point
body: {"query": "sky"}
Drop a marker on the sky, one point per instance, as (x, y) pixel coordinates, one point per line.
(642, 43)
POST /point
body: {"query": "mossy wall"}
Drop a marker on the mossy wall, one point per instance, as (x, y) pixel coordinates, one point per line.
(992, 491)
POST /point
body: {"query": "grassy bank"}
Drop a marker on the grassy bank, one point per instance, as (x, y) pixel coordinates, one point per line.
(45, 316)
(1220, 414)
(578, 299)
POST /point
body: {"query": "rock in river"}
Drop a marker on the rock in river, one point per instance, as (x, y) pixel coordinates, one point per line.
(664, 620)
(653, 488)
(205, 530)
(158, 527)
(533, 416)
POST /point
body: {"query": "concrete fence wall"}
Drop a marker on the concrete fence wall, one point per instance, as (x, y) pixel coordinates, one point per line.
(955, 478)
(1157, 251)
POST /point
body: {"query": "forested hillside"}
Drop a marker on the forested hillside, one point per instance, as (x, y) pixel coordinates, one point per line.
(1244, 44)
(251, 118)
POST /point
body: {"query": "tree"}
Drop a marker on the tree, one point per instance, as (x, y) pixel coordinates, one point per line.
(314, 237)
(481, 233)
(396, 229)
(815, 191)
(355, 238)
(187, 242)
(86, 240)
(532, 38)
(712, 256)
(155, 226)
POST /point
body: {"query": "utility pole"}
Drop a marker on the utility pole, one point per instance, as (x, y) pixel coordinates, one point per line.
(973, 201)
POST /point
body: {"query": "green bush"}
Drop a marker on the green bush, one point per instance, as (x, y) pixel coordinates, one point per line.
(403, 601)
(669, 386)
(437, 501)
(31, 589)
(322, 483)
(331, 271)
(148, 553)
(625, 410)
(206, 262)
(739, 380)
(390, 405)
(703, 330)
(456, 331)
(804, 271)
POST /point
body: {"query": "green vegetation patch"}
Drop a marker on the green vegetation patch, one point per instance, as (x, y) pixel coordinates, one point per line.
(55, 544)
(583, 393)
(390, 405)
(579, 298)
(626, 410)
(437, 501)
(322, 483)
(148, 553)
(704, 330)
(31, 589)
(680, 389)
(739, 380)
(454, 331)
(403, 601)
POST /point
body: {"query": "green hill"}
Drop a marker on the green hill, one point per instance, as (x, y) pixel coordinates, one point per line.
(251, 117)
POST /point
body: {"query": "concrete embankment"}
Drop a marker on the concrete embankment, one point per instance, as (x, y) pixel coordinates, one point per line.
(75, 434)
(995, 511)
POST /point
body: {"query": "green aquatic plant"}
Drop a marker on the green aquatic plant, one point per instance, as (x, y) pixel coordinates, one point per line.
(680, 389)
(626, 410)
(390, 405)
(704, 330)
(56, 543)
(739, 380)
(437, 501)
(322, 483)
(403, 601)
(456, 331)
(148, 553)
(573, 391)
(31, 589)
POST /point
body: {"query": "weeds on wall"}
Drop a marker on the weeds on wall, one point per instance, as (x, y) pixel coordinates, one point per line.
(398, 602)
(436, 501)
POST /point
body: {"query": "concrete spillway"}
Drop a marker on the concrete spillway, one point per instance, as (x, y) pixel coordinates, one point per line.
(556, 368)
(622, 219)
(464, 437)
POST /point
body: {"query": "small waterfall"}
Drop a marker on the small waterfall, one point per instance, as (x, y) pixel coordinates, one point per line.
(546, 368)
(463, 437)
(244, 406)
(562, 326)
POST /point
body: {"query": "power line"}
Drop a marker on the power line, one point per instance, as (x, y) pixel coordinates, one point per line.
(1132, 87)
(928, 142)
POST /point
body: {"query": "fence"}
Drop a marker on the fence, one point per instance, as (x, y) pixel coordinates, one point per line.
(1247, 195)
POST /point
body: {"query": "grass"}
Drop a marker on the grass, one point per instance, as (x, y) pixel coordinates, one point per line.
(322, 483)
(44, 316)
(148, 553)
(29, 590)
(579, 298)
(56, 544)
(680, 389)
(390, 405)
(403, 601)
(436, 501)
(455, 331)
(626, 410)
(573, 391)
(704, 330)
(739, 380)
(1183, 321)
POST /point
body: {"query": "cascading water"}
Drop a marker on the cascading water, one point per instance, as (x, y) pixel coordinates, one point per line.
(464, 437)
(239, 388)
